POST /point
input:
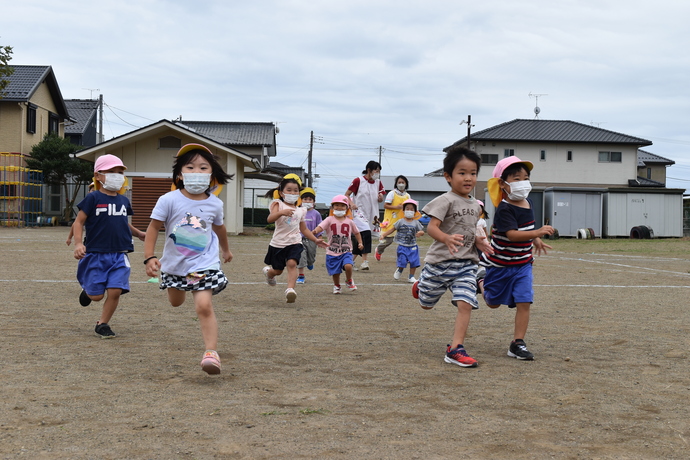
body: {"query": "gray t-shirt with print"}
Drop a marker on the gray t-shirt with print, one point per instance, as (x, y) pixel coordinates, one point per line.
(458, 215)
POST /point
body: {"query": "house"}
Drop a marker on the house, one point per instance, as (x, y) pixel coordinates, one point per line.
(31, 107)
(83, 129)
(149, 152)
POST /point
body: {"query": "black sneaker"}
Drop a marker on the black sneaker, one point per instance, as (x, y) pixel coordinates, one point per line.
(518, 349)
(103, 331)
(84, 299)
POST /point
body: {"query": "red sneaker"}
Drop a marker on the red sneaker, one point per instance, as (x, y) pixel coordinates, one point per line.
(377, 255)
(415, 289)
(460, 357)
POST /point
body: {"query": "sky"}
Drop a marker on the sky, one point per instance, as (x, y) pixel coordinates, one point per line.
(370, 77)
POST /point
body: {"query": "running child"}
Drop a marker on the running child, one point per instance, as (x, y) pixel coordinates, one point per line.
(193, 219)
(103, 263)
(285, 248)
(340, 228)
(312, 219)
(407, 229)
(508, 279)
(392, 213)
(451, 261)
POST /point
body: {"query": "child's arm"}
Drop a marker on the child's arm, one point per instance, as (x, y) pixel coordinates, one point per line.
(150, 260)
(276, 213)
(386, 233)
(310, 236)
(222, 234)
(540, 246)
(71, 234)
(517, 235)
(78, 228)
(358, 237)
(451, 241)
(138, 233)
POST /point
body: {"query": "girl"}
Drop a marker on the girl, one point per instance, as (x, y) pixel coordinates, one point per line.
(193, 219)
(285, 248)
(393, 212)
(339, 226)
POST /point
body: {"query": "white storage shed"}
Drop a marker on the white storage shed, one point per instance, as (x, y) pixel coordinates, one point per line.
(569, 209)
(660, 210)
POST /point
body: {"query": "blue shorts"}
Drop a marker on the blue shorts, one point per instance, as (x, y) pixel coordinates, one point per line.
(459, 275)
(408, 255)
(99, 271)
(336, 264)
(278, 257)
(508, 285)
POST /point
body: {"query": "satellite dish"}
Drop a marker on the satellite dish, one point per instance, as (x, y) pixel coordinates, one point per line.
(537, 110)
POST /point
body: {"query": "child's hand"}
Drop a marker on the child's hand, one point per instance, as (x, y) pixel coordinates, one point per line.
(360, 246)
(321, 243)
(142, 236)
(545, 230)
(287, 212)
(152, 267)
(482, 243)
(227, 256)
(419, 233)
(69, 241)
(79, 251)
(540, 246)
(453, 241)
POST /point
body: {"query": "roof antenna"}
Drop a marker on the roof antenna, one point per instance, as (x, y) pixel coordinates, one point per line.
(92, 90)
(537, 110)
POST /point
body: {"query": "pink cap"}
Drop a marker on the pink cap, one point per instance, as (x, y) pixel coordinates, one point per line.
(106, 162)
(341, 199)
(504, 163)
(410, 201)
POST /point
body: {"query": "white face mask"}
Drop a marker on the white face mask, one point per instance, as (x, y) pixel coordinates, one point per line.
(113, 182)
(307, 205)
(409, 214)
(519, 190)
(289, 198)
(196, 183)
(375, 176)
(401, 186)
(339, 213)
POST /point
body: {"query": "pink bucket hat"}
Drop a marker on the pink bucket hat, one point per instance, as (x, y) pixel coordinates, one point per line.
(341, 199)
(106, 162)
(493, 185)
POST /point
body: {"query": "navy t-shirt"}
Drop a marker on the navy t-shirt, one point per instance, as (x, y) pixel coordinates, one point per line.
(510, 253)
(107, 227)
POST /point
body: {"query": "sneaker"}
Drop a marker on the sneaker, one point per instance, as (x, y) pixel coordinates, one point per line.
(397, 273)
(310, 267)
(211, 362)
(103, 331)
(411, 279)
(84, 299)
(336, 289)
(290, 295)
(460, 357)
(364, 265)
(300, 279)
(377, 255)
(269, 281)
(351, 285)
(518, 349)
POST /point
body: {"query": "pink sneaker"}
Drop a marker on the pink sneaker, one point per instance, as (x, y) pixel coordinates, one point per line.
(211, 362)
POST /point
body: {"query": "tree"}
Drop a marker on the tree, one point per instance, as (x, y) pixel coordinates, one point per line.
(5, 69)
(54, 156)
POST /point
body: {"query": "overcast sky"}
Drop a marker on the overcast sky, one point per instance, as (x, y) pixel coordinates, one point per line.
(367, 73)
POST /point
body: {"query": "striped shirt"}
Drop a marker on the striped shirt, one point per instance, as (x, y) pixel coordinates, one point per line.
(510, 253)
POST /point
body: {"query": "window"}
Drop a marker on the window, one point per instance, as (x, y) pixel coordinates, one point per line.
(649, 173)
(570, 155)
(53, 123)
(489, 158)
(542, 155)
(169, 142)
(610, 157)
(31, 118)
(508, 153)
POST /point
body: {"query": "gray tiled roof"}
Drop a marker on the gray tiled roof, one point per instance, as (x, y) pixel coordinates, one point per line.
(234, 133)
(552, 131)
(645, 158)
(26, 79)
(81, 110)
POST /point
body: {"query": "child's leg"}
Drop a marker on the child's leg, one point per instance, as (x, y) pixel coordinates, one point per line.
(110, 305)
(203, 305)
(336, 279)
(291, 273)
(462, 321)
(413, 270)
(348, 271)
(521, 319)
(176, 297)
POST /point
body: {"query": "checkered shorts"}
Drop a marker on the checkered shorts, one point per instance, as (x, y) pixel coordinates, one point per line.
(197, 281)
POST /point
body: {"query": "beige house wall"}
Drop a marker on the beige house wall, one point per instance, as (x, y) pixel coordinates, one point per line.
(12, 125)
(658, 173)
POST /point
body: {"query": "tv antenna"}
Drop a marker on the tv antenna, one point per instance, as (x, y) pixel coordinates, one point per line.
(91, 90)
(537, 110)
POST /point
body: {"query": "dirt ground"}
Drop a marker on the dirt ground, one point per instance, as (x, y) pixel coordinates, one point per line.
(360, 375)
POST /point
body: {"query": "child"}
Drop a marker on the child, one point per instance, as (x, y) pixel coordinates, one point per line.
(392, 206)
(193, 220)
(339, 226)
(451, 261)
(312, 219)
(103, 262)
(481, 233)
(285, 248)
(508, 279)
(408, 230)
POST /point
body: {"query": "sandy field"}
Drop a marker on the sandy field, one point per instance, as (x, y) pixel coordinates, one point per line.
(355, 376)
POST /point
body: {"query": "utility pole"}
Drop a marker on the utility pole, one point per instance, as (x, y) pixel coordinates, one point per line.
(380, 150)
(469, 128)
(100, 119)
(311, 148)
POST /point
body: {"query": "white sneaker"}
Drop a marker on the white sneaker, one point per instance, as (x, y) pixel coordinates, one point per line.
(411, 279)
(365, 265)
(336, 289)
(270, 281)
(397, 274)
(290, 295)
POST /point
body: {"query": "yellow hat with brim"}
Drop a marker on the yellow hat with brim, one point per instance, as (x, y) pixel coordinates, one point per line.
(214, 186)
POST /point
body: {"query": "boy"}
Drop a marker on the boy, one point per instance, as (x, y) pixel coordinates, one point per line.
(103, 262)
(451, 261)
(508, 279)
(408, 230)
(312, 219)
